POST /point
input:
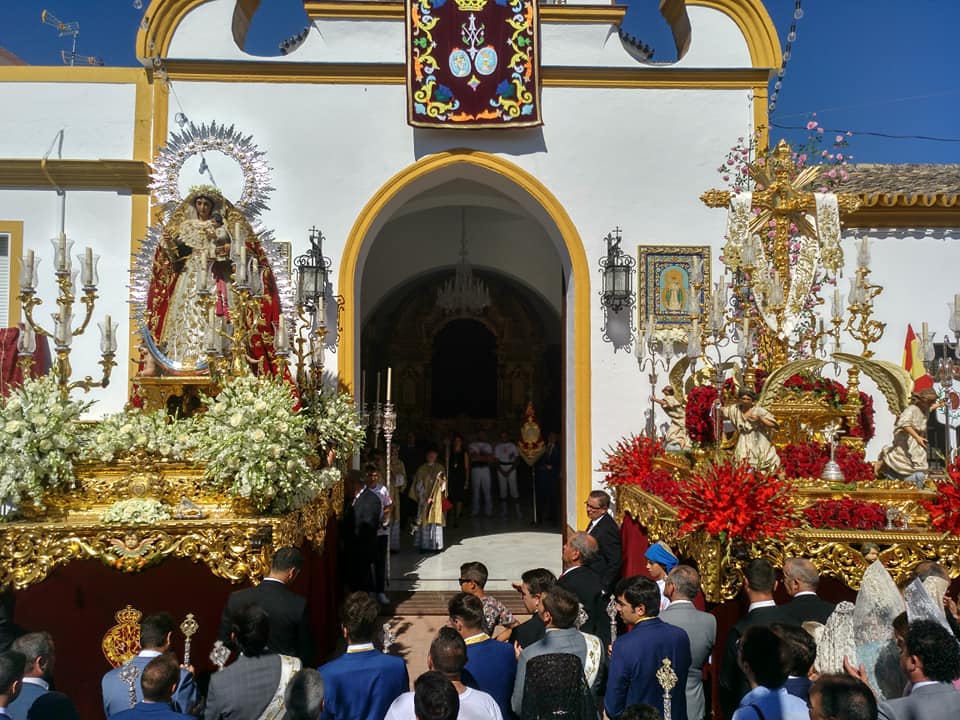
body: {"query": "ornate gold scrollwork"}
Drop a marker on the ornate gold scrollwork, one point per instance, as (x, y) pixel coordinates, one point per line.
(836, 553)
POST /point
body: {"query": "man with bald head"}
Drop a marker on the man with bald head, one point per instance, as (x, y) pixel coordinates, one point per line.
(800, 580)
(580, 579)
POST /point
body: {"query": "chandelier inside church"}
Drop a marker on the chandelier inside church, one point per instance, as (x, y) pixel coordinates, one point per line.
(463, 293)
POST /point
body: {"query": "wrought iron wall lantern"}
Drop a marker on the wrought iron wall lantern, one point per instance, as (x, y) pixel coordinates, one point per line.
(617, 294)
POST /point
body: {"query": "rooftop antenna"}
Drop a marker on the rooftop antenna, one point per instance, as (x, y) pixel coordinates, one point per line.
(68, 29)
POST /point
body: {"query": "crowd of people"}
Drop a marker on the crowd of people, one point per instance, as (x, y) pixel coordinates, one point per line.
(423, 490)
(594, 645)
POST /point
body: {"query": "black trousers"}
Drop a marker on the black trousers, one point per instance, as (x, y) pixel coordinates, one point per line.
(380, 563)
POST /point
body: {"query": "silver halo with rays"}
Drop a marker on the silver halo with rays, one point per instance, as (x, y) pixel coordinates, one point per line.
(165, 186)
(193, 140)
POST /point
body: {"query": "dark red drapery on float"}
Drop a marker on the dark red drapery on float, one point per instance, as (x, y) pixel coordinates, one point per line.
(10, 374)
(77, 602)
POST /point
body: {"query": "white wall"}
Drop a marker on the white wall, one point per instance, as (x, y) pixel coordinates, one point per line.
(102, 221)
(97, 119)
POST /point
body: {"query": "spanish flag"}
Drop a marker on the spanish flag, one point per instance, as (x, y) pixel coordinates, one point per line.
(913, 361)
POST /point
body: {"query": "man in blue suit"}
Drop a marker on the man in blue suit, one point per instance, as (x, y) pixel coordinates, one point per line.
(362, 683)
(155, 639)
(38, 648)
(491, 664)
(158, 681)
(638, 655)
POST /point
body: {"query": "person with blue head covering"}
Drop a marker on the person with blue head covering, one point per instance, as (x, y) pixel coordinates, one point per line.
(660, 561)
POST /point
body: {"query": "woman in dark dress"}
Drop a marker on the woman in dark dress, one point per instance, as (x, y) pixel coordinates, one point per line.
(458, 472)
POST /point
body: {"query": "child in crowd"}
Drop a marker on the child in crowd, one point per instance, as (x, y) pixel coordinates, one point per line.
(473, 578)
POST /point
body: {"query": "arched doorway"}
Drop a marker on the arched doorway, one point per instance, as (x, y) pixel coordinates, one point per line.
(544, 258)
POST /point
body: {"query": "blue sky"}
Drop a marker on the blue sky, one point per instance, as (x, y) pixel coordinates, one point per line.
(880, 66)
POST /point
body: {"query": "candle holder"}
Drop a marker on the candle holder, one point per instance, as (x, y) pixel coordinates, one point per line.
(860, 324)
(63, 333)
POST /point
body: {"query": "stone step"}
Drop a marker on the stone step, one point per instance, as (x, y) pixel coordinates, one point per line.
(422, 603)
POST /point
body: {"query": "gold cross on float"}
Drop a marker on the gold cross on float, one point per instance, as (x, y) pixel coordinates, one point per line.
(763, 225)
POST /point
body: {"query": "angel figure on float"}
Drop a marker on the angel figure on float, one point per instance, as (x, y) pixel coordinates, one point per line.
(676, 438)
(905, 458)
(753, 423)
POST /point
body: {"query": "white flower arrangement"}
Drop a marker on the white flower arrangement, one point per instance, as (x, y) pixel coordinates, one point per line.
(255, 445)
(38, 440)
(136, 511)
(334, 419)
(132, 431)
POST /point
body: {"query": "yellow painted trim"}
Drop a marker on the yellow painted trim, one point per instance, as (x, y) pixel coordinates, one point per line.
(160, 22)
(132, 175)
(385, 10)
(15, 229)
(45, 74)
(143, 119)
(526, 182)
(756, 25)
(393, 74)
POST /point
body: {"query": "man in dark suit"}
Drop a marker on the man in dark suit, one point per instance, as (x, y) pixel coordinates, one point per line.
(155, 639)
(800, 580)
(361, 520)
(759, 582)
(931, 659)
(638, 655)
(582, 581)
(682, 585)
(158, 681)
(533, 584)
(39, 650)
(363, 682)
(604, 529)
(289, 623)
(491, 665)
(547, 481)
(257, 679)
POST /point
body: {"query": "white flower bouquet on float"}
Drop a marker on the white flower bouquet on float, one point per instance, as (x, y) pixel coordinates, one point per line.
(253, 440)
(38, 445)
(132, 432)
(332, 417)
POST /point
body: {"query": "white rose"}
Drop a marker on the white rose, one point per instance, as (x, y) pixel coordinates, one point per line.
(236, 419)
(259, 406)
(258, 435)
(46, 445)
(271, 466)
(291, 465)
(275, 451)
(13, 426)
(126, 429)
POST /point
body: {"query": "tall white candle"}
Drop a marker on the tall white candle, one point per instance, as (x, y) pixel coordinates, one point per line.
(87, 278)
(389, 381)
(837, 312)
(956, 304)
(62, 257)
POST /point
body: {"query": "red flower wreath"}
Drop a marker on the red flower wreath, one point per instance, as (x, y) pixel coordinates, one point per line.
(699, 420)
(945, 509)
(807, 460)
(736, 501)
(630, 462)
(846, 513)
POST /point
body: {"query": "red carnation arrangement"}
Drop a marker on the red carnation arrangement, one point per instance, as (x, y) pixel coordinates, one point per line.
(735, 501)
(846, 513)
(945, 509)
(807, 460)
(699, 408)
(630, 462)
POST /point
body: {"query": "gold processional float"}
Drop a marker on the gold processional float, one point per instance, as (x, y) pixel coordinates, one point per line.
(224, 451)
(776, 258)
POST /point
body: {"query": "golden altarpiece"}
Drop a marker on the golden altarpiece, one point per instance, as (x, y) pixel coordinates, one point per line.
(780, 238)
(217, 318)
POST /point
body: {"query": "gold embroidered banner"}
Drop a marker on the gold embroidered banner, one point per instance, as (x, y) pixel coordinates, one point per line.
(473, 63)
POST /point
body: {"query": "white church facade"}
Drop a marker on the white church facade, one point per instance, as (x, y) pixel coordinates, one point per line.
(624, 144)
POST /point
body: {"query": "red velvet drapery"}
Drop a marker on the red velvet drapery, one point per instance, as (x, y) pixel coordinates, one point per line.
(10, 374)
(76, 603)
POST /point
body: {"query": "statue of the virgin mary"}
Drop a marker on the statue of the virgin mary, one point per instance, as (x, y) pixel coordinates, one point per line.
(193, 254)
